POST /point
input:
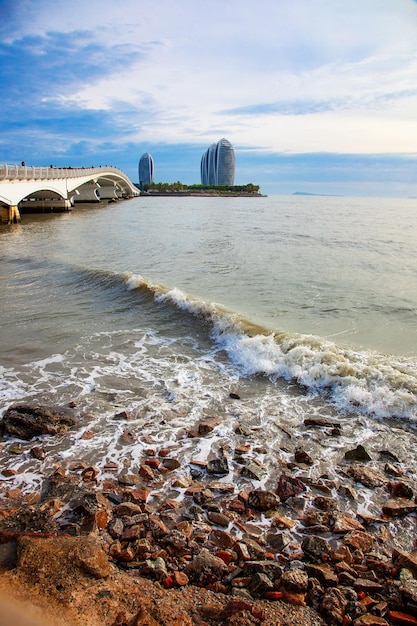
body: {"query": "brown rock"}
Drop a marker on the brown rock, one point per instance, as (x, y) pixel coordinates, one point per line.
(333, 605)
(289, 486)
(208, 425)
(346, 524)
(262, 500)
(301, 456)
(295, 580)
(368, 476)
(359, 540)
(323, 573)
(399, 507)
(218, 519)
(205, 568)
(26, 421)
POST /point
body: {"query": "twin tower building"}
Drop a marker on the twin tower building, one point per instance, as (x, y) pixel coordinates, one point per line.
(217, 168)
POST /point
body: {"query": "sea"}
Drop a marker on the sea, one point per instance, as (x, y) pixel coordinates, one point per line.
(262, 312)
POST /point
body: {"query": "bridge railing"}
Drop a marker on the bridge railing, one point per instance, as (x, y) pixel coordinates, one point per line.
(29, 172)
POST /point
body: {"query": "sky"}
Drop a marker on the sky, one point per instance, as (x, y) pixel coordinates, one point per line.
(317, 96)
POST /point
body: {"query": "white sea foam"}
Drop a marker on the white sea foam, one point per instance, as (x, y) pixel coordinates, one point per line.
(354, 381)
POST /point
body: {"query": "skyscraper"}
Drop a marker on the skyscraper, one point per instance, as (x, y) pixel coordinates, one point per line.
(218, 164)
(146, 169)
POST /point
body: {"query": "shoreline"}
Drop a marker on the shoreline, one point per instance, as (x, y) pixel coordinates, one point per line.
(227, 554)
(203, 194)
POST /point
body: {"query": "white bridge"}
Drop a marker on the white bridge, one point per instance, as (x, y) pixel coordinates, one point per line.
(43, 189)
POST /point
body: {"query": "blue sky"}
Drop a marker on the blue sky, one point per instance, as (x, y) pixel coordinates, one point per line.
(315, 95)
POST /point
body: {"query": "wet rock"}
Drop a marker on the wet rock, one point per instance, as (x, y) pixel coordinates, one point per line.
(123, 415)
(401, 490)
(171, 464)
(254, 471)
(222, 538)
(315, 547)
(289, 486)
(208, 425)
(359, 540)
(38, 453)
(325, 504)
(26, 421)
(368, 476)
(399, 507)
(301, 456)
(256, 551)
(218, 519)
(205, 568)
(218, 466)
(126, 508)
(278, 541)
(262, 500)
(358, 454)
(346, 524)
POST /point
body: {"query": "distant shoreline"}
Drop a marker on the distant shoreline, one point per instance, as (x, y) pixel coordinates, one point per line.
(203, 194)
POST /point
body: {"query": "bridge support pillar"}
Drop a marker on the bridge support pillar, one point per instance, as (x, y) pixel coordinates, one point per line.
(14, 215)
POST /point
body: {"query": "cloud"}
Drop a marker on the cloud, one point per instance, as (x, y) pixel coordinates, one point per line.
(277, 77)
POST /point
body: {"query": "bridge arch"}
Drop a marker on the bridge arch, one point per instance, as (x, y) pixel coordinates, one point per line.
(18, 183)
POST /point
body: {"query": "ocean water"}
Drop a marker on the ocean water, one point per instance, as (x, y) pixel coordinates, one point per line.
(302, 306)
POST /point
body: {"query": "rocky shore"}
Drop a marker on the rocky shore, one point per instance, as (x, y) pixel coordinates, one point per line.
(165, 544)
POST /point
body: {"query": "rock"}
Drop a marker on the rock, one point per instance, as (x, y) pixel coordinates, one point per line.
(401, 490)
(26, 421)
(368, 586)
(262, 500)
(218, 519)
(171, 464)
(278, 541)
(315, 547)
(222, 538)
(91, 558)
(370, 620)
(301, 456)
(405, 559)
(126, 509)
(208, 425)
(368, 476)
(323, 573)
(399, 507)
(359, 540)
(408, 585)
(51, 560)
(346, 524)
(289, 486)
(260, 583)
(333, 605)
(269, 568)
(254, 471)
(358, 454)
(205, 568)
(295, 579)
(123, 415)
(218, 466)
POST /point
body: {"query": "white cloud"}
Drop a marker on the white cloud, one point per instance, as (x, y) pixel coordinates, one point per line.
(200, 62)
